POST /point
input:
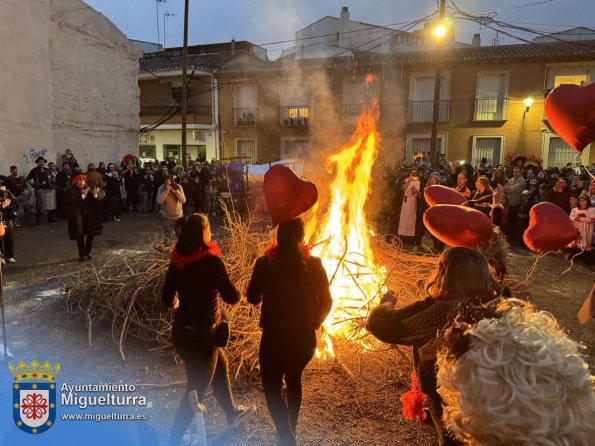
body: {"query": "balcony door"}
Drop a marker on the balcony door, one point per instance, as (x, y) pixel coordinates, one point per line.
(294, 100)
(245, 105)
(421, 97)
(491, 101)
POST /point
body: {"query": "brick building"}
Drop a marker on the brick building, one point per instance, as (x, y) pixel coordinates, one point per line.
(289, 108)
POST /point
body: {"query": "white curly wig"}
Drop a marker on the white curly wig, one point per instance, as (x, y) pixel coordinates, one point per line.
(521, 382)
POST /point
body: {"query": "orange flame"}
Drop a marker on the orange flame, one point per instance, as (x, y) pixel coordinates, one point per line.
(369, 79)
(343, 234)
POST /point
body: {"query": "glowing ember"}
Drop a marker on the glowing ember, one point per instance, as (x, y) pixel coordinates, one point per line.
(342, 234)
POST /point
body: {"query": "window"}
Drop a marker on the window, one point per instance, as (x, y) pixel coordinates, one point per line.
(295, 149)
(419, 144)
(247, 147)
(245, 111)
(148, 151)
(176, 94)
(294, 99)
(355, 95)
(421, 97)
(574, 79)
(557, 153)
(196, 152)
(170, 150)
(489, 147)
(491, 103)
(558, 74)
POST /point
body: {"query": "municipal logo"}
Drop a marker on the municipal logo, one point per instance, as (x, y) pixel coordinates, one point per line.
(34, 396)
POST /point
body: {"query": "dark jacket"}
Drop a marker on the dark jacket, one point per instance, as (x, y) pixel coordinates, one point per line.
(41, 178)
(561, 199)
(197, 285)
(291, 299)
(84, 216)
(15, 184)
(481, 201)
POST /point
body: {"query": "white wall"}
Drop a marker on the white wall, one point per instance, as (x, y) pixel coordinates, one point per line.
(70, 81)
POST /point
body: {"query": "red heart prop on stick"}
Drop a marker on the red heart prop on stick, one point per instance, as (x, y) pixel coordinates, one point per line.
(458, 225)
(570, 110)
(550, 228)
(437, 194)
(287, 195)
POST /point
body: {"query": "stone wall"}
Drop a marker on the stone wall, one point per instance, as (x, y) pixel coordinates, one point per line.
(70, 82)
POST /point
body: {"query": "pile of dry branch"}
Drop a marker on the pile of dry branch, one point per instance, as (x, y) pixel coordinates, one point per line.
(125, 291)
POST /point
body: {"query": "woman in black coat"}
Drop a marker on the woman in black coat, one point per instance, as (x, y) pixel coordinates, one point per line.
(84, 215)
(195, 279)
(294, 290)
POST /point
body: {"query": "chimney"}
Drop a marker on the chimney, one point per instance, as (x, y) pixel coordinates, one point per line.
(343, 26)
(233, 45)
(476, 41)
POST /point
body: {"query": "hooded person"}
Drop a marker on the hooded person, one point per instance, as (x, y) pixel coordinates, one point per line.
(511, 376)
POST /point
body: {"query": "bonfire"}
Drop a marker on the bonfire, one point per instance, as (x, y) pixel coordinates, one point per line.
(125, 289)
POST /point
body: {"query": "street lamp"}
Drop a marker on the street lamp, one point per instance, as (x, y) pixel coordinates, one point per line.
(440, 31)
(527, 102)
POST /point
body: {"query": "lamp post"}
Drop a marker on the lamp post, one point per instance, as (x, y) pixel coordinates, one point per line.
(439, 33)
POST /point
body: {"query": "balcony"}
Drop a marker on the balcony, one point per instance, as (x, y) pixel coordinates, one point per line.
(165, 110)
(492, 109)
(294, 115)
(352, 111)
(422, 111)
(245, 117)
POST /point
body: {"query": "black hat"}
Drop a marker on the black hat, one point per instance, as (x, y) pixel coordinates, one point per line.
(40, 158)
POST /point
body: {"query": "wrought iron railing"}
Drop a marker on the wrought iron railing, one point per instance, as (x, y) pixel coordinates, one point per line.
(422, 111)
(294, 115)
(245, 117)
(164, 110)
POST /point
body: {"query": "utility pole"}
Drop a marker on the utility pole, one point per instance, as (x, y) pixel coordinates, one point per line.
(184, 83)
(434, 157)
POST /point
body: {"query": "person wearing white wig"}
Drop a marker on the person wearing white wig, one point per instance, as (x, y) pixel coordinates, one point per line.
(515, 378)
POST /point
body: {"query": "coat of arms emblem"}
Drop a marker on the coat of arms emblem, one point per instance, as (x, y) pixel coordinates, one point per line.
(34, 396)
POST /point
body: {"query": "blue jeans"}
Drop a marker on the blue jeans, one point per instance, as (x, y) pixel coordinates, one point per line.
(169, 228)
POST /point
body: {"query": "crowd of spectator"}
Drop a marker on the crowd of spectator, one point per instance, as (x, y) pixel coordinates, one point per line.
(129, 186)
(504, 193)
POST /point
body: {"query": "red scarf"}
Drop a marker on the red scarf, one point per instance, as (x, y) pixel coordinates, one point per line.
(181, 260)
(272, 251)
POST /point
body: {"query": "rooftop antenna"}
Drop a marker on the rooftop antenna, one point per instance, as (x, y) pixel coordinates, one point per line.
(166, 15)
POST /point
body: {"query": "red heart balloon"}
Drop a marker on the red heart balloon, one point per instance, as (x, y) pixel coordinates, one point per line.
(570, 110)
(437, 194)
(550, 228)
(458, 225)
(287, 195)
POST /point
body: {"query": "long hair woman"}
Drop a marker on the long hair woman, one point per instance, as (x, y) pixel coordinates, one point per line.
(197, 275)
(84, 215)
(483, 197)
(294, 290)
(461, 275)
